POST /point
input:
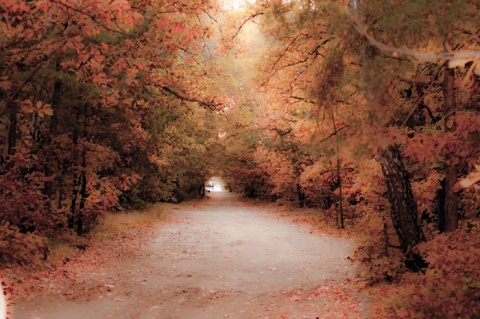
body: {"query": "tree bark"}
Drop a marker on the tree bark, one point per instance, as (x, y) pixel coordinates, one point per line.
(301, 196)
(449, 214)
(83, 190)
(83, 195)
(49, 185)
(404, 209)
(340, 214)
(75, 181)
(12, 131)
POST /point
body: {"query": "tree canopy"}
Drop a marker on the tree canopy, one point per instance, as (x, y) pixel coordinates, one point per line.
(367, 111)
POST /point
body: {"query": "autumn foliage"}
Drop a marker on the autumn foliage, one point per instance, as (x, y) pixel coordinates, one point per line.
(367, 112)
(103, 107)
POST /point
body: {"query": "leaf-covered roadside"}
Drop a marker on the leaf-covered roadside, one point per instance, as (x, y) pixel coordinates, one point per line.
(114, 266)
(73, 276)
(447, 288)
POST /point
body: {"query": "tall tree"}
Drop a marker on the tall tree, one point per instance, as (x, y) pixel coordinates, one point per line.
(384, 87)
(84, 86)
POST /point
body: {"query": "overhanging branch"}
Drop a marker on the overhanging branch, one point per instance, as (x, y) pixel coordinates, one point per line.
(333, 134)
(253, 16)
(92, 17)
(209, 105)
(457, 57)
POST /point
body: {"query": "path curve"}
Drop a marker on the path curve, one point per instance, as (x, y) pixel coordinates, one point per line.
(223, 259)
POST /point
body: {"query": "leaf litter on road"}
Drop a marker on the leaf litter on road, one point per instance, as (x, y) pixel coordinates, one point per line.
(170, 269)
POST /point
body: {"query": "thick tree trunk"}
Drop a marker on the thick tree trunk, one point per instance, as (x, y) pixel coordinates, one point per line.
(404, 209)
(449, 214)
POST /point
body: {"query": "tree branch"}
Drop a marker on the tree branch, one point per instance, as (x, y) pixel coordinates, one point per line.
(7, 103)
(253, 16)
(91, 16)
(209, 105)
(461, 55)
(421, 82)
(333, 134)
(299, 98)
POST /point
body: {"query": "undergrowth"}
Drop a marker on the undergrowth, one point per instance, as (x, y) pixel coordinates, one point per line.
(113, 224)
(34, 251)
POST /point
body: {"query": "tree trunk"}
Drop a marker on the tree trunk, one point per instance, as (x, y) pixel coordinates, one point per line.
(83, 179)
(49, 185)
(449, 214)
(73, 205)
(12, 131)
(340, 217)
(301, 196)
(75, 182)
(83, 195)
(404, 209)
(340, 213)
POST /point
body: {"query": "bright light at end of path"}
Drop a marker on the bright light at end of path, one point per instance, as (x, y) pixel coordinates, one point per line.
(215, 184)
(236, 4)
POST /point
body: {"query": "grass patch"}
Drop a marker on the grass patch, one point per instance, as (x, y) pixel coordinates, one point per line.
(118, 223)
(65, 247)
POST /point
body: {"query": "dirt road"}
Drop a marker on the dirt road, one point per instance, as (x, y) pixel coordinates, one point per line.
(221, 260)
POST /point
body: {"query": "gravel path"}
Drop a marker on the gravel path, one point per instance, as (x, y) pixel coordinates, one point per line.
(223, 259)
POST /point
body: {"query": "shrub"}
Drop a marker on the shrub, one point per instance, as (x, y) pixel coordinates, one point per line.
(382, 261)
(450, 287)
(23, 248)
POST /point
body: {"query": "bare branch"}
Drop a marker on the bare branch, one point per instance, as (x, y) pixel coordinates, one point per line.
(253, 16)
(209, 105)
(8, 101)
(338, 130)
(421, 82)
(299, 98)
(289, 46)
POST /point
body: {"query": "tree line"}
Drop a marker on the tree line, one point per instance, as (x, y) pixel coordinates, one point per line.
(104, 106)
(369, 112)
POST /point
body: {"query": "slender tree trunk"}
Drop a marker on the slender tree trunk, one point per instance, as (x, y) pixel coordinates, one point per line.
(301, 196)
(73, 205)
(386, 242)
(83, 195)
(340, 217)
(340, 213)
(75, 182)
(12, 130)
(49, 189)
(83, 178)
(450, 208)
(403, 207)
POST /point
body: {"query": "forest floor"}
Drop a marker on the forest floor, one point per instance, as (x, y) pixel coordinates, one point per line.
(216, 258)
